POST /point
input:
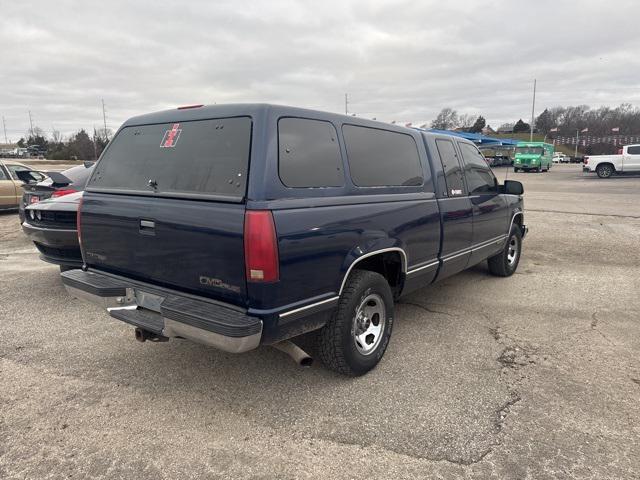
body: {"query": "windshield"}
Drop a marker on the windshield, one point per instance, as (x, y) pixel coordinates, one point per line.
(530, 150)
(207, 157)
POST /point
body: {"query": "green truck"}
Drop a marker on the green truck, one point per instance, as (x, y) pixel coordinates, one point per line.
(536, 156)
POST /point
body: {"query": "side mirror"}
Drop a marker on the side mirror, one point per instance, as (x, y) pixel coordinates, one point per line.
(512, 187)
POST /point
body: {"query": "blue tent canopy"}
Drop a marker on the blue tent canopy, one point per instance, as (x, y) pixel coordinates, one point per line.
(477, 137)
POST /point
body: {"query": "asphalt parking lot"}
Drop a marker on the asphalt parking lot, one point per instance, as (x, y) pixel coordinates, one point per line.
(534, 376)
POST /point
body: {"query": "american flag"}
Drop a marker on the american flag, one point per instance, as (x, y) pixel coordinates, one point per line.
(554, 129)
(584, 130)
(616, 129)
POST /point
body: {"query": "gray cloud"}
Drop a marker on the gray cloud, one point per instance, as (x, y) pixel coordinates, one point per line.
(402, 60)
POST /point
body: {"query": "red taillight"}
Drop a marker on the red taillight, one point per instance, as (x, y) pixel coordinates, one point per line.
(260, 247)
(62, 192)
(78, 228)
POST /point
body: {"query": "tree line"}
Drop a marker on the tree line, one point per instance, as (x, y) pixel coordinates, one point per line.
(555, 121)
(80, 145)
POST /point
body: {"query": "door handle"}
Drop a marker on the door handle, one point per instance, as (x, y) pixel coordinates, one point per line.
(148, 227)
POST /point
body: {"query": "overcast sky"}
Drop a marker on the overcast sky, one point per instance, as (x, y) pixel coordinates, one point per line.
(402, 60)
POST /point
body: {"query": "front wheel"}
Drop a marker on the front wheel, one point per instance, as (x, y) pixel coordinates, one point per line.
(356, 337)
(505, 263)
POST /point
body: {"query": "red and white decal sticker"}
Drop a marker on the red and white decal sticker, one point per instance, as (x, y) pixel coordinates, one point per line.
(171, 136)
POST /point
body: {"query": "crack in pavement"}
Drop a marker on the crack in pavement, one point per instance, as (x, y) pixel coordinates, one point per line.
(427, 309)
(594, 327)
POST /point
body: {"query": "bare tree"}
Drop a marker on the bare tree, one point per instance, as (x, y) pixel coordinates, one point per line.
(447, 119)
(466, 121)
(104, 134)
(56, 136)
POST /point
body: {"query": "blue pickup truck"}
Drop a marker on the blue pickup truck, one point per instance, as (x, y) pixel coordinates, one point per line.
(245, 225)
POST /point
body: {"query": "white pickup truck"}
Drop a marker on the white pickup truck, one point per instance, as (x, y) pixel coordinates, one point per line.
(607, 165)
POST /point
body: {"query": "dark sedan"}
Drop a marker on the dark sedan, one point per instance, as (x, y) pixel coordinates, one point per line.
(57, 184)
(51, 225)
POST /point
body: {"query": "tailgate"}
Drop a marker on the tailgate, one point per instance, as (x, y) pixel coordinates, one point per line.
(191, 246)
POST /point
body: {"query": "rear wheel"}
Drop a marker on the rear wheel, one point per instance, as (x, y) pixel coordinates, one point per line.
(516, 170)
(356, 337)
(505, 263)
(604, 171)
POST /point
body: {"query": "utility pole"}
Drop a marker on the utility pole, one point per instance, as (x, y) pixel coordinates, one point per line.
(4, 126)
(533, 109)
(30, 123)
(95, 149)
(104, 118)
(346, 104)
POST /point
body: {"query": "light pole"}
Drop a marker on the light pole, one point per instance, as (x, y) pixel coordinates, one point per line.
(575, 155)
(533, 109)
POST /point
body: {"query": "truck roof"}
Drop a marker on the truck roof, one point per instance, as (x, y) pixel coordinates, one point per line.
(251, 109)
(257, 110)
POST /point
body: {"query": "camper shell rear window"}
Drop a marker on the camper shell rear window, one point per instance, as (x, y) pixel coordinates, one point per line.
(192, 158)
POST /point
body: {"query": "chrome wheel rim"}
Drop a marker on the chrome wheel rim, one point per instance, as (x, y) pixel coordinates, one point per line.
(368, 324)
(513, 250)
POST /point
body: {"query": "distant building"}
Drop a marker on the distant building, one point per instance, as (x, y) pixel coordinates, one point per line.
(507, 128)
(488, 130)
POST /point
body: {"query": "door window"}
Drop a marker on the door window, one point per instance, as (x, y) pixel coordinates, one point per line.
(451, 166)
(3, 176)
(480, 178)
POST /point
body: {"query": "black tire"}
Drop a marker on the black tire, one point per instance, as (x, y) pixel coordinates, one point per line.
(515, 170)
(604, 170)
(336, 343)
(501, 265)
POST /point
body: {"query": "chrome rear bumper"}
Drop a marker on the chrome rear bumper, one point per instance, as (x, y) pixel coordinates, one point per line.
(167, 313)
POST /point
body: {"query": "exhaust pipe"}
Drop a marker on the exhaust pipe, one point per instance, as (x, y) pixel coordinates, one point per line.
(295, 352)
(143, 335)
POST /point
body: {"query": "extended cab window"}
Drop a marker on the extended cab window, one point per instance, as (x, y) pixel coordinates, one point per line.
(205, 157)
(382, 158)
(308, 153)
(633, 150)
(3, 176)
(480, 178)
(451, 166)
